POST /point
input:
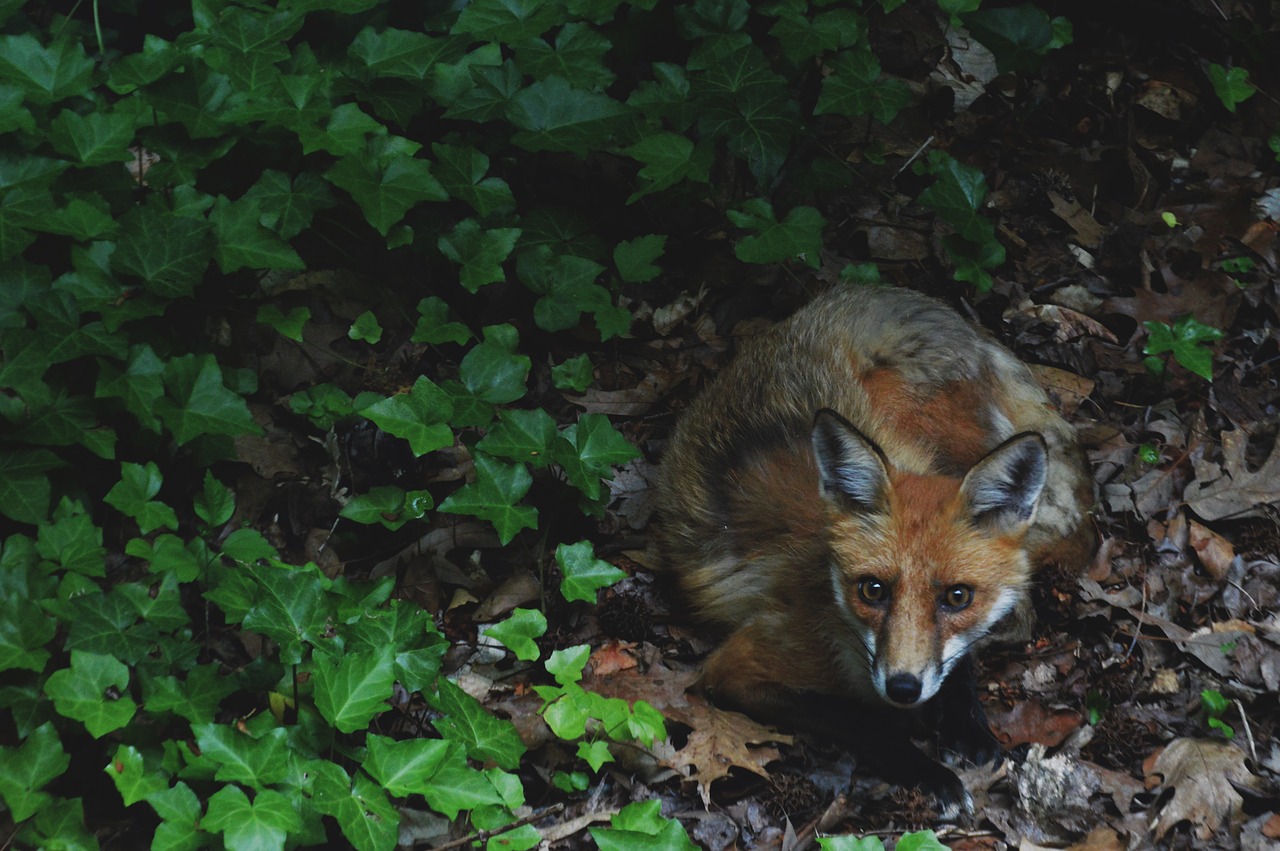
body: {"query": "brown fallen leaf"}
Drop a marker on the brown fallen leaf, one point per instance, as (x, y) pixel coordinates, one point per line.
(1237, 492)
(1089, 232)
(612, 657)
(1201, 773)
(720, 741)
(1215, 552)
(1030, 722)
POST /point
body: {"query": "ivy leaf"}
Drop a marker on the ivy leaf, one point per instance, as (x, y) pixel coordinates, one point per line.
(215, 503)
(400, 53)
(1018, 36)
(462, 169)
(1185, 338)
(132, 496)
(521, 436)
(584, 574)
(243, 241)
(28, 768)
(388, 505)
(799, 236)
(263, 824)
(668, 158)
(634, 258)
(1231, 85)
(578, 55)
(387, 190)
(567, 665)
(367, 818)
(518, 632)
(506, 21)
(479, 252)
(289, 324)
(290, 608)
(855, 88)
(24, 484)
(484, 735)
(94, 691)
(595, 754)
(287, 204)
(365, 329)
(493, 497)
(354, 690)
(98, 138)
(587, 451)
(574, 374)
(641, 825)
(419, 416)
(802, 38)
(135, 780)
(169, 253)
(492, 370)
(197, 402)
(45, 74)
(554, 116)
(957, 196)
(434, 325)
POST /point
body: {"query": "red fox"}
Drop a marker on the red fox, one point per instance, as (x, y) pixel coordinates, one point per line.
(855, 502)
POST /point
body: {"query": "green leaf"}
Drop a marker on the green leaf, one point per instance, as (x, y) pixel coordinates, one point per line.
(957, 196)
(521, 436)
(195, 698)
(24, 484)
(799, 236)
(400, 53)
(479, 252)
(485, 736)
(641, 826)
(244, 242)
(923, 840)
(287, 204)
(407, 767)
(668, 158)
(74, 542)
(492, 370)
(578, 55)
(28, 768)
(94, 691)
(434, 325)
(132, 495)
(386, 187)
(802, 38)
(1232, 85)
(258, 826)
(507, 21)
(288, 324)
(461, 170)
(554, 116)
(135, 779)
(855, 88)
(350, 693)
(170, 253)
(1018, 36)
(518, 631)
(566, 665)
(850, 843)
(634, 258)
(584, 574)
(574, 374)
(493, 497)
(587, 451)
(595, 754)
(180, 812)
(367, 818)
(419, 416)
(366, 328)
(197, 402)
(1186, 339)
(45, 74)
(98, 138)
(388, 505)
(290, 607)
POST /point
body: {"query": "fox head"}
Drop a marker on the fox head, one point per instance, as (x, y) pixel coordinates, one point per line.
(923, 566)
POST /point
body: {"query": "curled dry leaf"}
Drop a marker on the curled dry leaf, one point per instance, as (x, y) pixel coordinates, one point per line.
(721, 740)
(1201, 773)
(1237, 492)
(1215, 552)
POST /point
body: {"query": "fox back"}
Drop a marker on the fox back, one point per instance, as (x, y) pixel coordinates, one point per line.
(860, 496)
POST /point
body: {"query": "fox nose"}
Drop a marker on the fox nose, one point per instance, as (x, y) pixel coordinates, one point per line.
(902, 688)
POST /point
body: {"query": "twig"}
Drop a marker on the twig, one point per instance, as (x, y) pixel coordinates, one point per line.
(1248, 731)
(1134, 644)
(920, 150)
(486, 835)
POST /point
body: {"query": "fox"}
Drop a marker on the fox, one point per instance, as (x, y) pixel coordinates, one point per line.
(854, 503)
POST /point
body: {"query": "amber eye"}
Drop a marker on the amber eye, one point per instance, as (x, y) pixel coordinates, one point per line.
(872, 591)
(957, 597)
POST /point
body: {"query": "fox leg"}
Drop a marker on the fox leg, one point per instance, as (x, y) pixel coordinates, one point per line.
(746, 672)
(964, 735)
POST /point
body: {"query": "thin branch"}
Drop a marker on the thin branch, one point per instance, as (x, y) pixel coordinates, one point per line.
(486, 835)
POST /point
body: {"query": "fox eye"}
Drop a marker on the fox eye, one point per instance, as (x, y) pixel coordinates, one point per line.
(872, 591)
(957, 597)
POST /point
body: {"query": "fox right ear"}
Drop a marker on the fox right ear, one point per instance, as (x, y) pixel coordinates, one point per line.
(851, 468)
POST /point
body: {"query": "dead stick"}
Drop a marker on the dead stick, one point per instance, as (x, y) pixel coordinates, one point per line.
(486, 835)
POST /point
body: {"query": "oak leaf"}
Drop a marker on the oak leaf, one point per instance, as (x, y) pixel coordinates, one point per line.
(1237, 492)
(1201, 773)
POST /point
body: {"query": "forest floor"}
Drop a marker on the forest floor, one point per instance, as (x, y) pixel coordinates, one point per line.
(1125, 193)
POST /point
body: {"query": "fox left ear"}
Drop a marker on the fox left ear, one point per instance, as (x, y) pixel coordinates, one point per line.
(1003, 489)
(852, 470)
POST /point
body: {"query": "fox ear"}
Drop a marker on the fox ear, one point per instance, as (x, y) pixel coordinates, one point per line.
(851, 468)
(1003, 489)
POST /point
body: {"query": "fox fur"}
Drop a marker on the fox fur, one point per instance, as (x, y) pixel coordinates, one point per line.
(854, 503)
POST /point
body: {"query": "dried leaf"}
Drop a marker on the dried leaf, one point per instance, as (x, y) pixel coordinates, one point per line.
(1237, 492)
(1215, 551)
(720, 741)
(1201, 773)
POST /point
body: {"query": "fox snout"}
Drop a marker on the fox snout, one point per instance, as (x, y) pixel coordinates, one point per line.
(905, 688)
